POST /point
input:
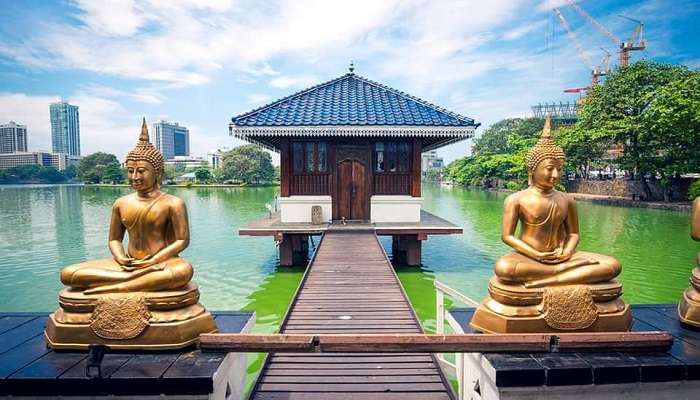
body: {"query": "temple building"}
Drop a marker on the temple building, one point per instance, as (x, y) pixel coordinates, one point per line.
(352, 147)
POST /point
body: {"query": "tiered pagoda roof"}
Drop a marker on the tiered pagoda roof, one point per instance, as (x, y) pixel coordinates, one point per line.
(352, 106)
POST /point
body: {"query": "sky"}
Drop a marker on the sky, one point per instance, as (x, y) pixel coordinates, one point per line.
(201, 62)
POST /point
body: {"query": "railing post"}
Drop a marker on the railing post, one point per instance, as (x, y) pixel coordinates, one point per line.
(440, 311)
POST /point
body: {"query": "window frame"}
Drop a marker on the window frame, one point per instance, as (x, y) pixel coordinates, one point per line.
(304, 157)
(396, 155)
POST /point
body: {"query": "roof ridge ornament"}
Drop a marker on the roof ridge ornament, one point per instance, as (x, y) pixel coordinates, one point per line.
(351, 68)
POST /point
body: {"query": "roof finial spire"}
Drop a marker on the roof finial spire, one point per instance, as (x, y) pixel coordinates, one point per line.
(352, 67)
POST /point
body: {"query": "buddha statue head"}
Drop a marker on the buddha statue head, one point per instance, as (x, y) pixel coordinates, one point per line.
(545, 161)
(144, 163)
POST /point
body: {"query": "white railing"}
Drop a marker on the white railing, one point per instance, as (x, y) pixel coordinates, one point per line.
(456, 368)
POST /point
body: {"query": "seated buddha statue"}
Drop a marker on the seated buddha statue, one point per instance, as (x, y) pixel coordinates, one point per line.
(689, 306)
(545, 284)
(142, 297)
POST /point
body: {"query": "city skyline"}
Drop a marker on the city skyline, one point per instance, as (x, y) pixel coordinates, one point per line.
(13, 138)
(202, 63)
(171, 139)
(65, 128)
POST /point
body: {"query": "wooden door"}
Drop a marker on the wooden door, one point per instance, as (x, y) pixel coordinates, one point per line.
(351, 194)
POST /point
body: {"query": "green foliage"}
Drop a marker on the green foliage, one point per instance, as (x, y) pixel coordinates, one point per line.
(99, 167)
(694, 190)
(113, 173)
(511, 185)
(498, 154)
(653, 111)
(202, 174)
(70, 172)
(249, 164)
(582, 152)
(32, 173)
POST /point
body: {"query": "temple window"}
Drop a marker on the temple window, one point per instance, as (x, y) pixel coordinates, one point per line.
(309, 157)
(392, 157)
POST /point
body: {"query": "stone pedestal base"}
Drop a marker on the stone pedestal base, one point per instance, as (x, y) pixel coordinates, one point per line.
(130, 321)
(580, 308)
(689, 306)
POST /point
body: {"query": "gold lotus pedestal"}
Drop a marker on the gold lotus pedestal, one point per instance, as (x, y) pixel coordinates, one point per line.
(582, 308)
(143, 320)
(689, 306)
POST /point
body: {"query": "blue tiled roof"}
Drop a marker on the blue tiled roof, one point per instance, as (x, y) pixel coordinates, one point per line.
(351, 100)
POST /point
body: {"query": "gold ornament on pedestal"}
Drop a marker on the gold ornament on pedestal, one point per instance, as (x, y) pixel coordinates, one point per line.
(142, 297)
(689, 306)
(545, 284)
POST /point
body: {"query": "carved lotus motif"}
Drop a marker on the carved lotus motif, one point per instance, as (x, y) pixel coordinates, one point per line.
(569, 307)
(119, 317)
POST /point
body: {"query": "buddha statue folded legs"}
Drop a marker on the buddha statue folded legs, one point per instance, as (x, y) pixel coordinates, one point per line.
(106, 276)
(545, 284)
(142, 297)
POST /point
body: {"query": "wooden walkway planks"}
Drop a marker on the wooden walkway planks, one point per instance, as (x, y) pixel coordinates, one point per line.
(350, 288)
(29, 368)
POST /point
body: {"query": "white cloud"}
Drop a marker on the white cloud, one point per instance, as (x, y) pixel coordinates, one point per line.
(111, 17)
(258, 99)
(284, 82)
(517, 33)
(142, 95)
(183, 42)
(548, 5)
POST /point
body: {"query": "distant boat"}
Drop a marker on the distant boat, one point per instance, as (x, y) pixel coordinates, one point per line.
(447, 183)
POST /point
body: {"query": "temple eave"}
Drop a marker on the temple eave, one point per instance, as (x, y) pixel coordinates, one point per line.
(432, 136)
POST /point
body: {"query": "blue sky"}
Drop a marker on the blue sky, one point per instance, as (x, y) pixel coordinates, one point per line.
(200, 62)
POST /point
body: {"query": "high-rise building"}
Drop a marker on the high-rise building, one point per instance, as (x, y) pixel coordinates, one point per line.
(57, 160)
(215, 157)
(171, 139)
(65, 128)
(430, 160)
(13, 138)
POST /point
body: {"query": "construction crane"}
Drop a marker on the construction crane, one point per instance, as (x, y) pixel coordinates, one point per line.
(596, 72)
(635, 42)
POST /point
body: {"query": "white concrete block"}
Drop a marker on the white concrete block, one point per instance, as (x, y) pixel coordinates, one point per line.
(298, 208)
(395, 208)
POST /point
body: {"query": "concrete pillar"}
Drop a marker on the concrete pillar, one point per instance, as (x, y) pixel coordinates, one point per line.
(293, 249)
(406, 249)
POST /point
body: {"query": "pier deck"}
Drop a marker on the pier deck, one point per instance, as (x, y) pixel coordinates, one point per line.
(639, 375)
(350, 288)
(29, 368)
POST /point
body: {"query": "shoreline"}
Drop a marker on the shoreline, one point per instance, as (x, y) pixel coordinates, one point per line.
(609, 200)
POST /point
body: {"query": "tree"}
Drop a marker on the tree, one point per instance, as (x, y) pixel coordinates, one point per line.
(113, 173)
(92, 168)
(582, 153)
(619, 111)
(248, 163)
(50, 174)
(502, 137)
(499, 154)
(202, 174)
(70, 172)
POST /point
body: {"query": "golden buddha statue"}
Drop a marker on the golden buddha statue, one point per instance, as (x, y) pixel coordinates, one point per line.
(545, 284)
(142, 297)
(689, 306)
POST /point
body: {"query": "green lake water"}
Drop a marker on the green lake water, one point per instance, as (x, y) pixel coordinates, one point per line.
(43, 228)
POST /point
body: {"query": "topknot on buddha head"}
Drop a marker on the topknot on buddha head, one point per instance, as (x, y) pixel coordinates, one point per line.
(146, 151)
(544, 149)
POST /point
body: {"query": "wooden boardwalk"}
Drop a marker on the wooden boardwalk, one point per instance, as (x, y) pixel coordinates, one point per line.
(350, 288)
